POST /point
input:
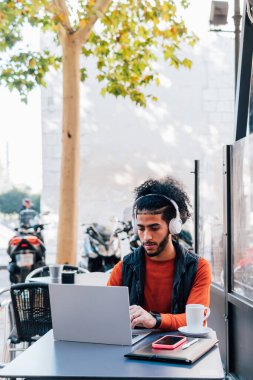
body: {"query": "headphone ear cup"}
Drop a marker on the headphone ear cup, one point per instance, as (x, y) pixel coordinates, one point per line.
(175, 226)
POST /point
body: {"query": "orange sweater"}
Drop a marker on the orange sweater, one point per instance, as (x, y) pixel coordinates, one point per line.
(158, 289)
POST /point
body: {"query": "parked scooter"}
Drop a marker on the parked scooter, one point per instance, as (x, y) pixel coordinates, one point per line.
(26, 250)
(101, 250)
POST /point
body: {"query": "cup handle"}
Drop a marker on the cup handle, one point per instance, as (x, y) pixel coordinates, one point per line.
(208, 311)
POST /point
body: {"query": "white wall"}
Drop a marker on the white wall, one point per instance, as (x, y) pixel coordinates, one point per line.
(122, 144)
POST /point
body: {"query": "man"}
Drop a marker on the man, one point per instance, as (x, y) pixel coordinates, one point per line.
(26, 203)
(27, 215)
(162, 276)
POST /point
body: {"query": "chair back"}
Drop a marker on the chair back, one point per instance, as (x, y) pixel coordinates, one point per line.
(44, 271)
(32, 312)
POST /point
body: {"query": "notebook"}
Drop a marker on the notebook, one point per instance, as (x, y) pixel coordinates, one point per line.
(187, 356)
(95, 314)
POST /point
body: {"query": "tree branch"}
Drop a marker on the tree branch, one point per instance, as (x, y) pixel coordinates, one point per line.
(97, 11)
(62, 13)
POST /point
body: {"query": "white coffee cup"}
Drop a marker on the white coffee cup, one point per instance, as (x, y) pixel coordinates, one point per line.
(195, 316)
(55, 271)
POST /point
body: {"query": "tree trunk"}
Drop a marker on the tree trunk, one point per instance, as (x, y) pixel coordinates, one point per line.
(70, 163)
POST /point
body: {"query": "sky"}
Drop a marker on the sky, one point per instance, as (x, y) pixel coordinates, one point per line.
(20, 131)
(20, 127)
(20, 143)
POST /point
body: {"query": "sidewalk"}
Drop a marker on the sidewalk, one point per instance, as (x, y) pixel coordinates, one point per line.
(4, 259)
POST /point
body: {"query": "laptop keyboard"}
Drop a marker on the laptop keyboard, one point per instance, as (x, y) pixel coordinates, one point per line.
(135, 335)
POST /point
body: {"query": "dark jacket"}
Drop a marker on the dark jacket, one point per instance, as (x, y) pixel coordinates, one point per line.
(133, 276)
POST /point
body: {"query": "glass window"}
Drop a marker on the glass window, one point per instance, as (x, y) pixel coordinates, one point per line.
(243, 217)
(211, 215)
(250, 111)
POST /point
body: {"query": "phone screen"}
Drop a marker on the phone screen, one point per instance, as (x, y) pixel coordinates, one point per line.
(170, 340)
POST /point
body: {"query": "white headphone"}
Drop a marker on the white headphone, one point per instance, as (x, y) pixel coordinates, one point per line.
(175, 225)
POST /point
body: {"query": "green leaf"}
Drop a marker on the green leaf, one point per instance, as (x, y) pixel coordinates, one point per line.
(187, 63)
(103, 91)
(83, 74)
(125, 42)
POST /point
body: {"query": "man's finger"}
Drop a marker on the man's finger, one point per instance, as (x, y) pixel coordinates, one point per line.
(137, 322)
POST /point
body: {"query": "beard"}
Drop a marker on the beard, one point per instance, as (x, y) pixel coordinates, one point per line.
(160, 247)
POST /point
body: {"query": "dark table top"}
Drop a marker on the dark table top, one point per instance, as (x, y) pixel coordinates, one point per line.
(49, 359)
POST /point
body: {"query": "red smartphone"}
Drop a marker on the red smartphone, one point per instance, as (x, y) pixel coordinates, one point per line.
(169, 342)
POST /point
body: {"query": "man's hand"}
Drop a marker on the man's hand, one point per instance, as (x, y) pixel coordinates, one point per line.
(140, 317)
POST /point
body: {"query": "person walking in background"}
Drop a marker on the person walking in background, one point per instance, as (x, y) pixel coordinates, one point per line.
(162, 276)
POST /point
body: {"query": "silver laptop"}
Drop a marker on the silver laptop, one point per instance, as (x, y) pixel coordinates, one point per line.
(95, 314)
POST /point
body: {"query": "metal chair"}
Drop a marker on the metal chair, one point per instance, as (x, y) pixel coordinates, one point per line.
(44, 271)
(8, 322)
(31, 316)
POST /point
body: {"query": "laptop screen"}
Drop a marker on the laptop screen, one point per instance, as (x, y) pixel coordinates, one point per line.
(96, 314)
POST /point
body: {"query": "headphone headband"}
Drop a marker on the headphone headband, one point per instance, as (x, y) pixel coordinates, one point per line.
(175, 224)
(159, 195)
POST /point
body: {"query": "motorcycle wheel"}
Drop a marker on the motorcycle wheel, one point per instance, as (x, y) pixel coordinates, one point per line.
(109, 262)
(14, 273)
(23, 273)
(14, 278)
(18, 275)
(95, 264)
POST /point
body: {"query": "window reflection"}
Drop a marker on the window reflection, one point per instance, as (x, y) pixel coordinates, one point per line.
(243, 217)
(211, 216)
(250, 112)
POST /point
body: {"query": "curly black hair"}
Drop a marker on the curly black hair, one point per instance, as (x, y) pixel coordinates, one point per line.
(168, 187)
